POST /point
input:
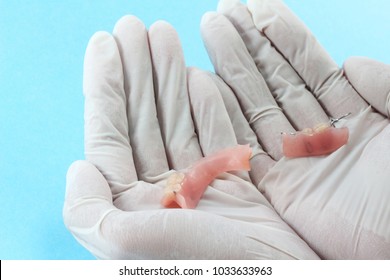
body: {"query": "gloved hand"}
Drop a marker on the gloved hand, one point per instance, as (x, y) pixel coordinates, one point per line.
(139, 126)
(281, 80)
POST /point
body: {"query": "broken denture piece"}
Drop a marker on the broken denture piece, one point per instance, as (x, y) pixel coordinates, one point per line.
(185, 189)
(323, 139)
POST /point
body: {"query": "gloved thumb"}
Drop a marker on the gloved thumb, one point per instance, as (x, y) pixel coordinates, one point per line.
(84, 180)
(371, 79)
(88, 200)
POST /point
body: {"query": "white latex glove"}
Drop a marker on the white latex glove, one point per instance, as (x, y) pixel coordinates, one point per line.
(282, 80)
(138, 126)
(371, 79)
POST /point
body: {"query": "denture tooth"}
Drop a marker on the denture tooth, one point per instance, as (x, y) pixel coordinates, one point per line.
(175, 178)
(320, 127)
(307, 131)
(172, 191)
(176, 187)
(174, 183)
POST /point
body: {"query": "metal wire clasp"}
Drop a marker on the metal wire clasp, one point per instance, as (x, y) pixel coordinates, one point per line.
(333, 120)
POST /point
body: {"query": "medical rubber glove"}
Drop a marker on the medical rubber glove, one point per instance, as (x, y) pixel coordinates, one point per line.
(371, 79)
(139, 127)
(280, 79)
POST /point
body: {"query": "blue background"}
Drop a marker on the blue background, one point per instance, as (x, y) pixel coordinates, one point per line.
(42, 45)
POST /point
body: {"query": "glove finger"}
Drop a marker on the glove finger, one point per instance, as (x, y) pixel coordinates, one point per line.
(106, 130)
(289, 90)
(226, 5)
(235, 66)
(298, 45)
(371, 79)
(211, 120)
(261, 162)
(144, 130)
(173, 109)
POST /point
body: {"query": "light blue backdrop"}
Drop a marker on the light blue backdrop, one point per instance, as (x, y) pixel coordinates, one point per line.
(42, 45)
